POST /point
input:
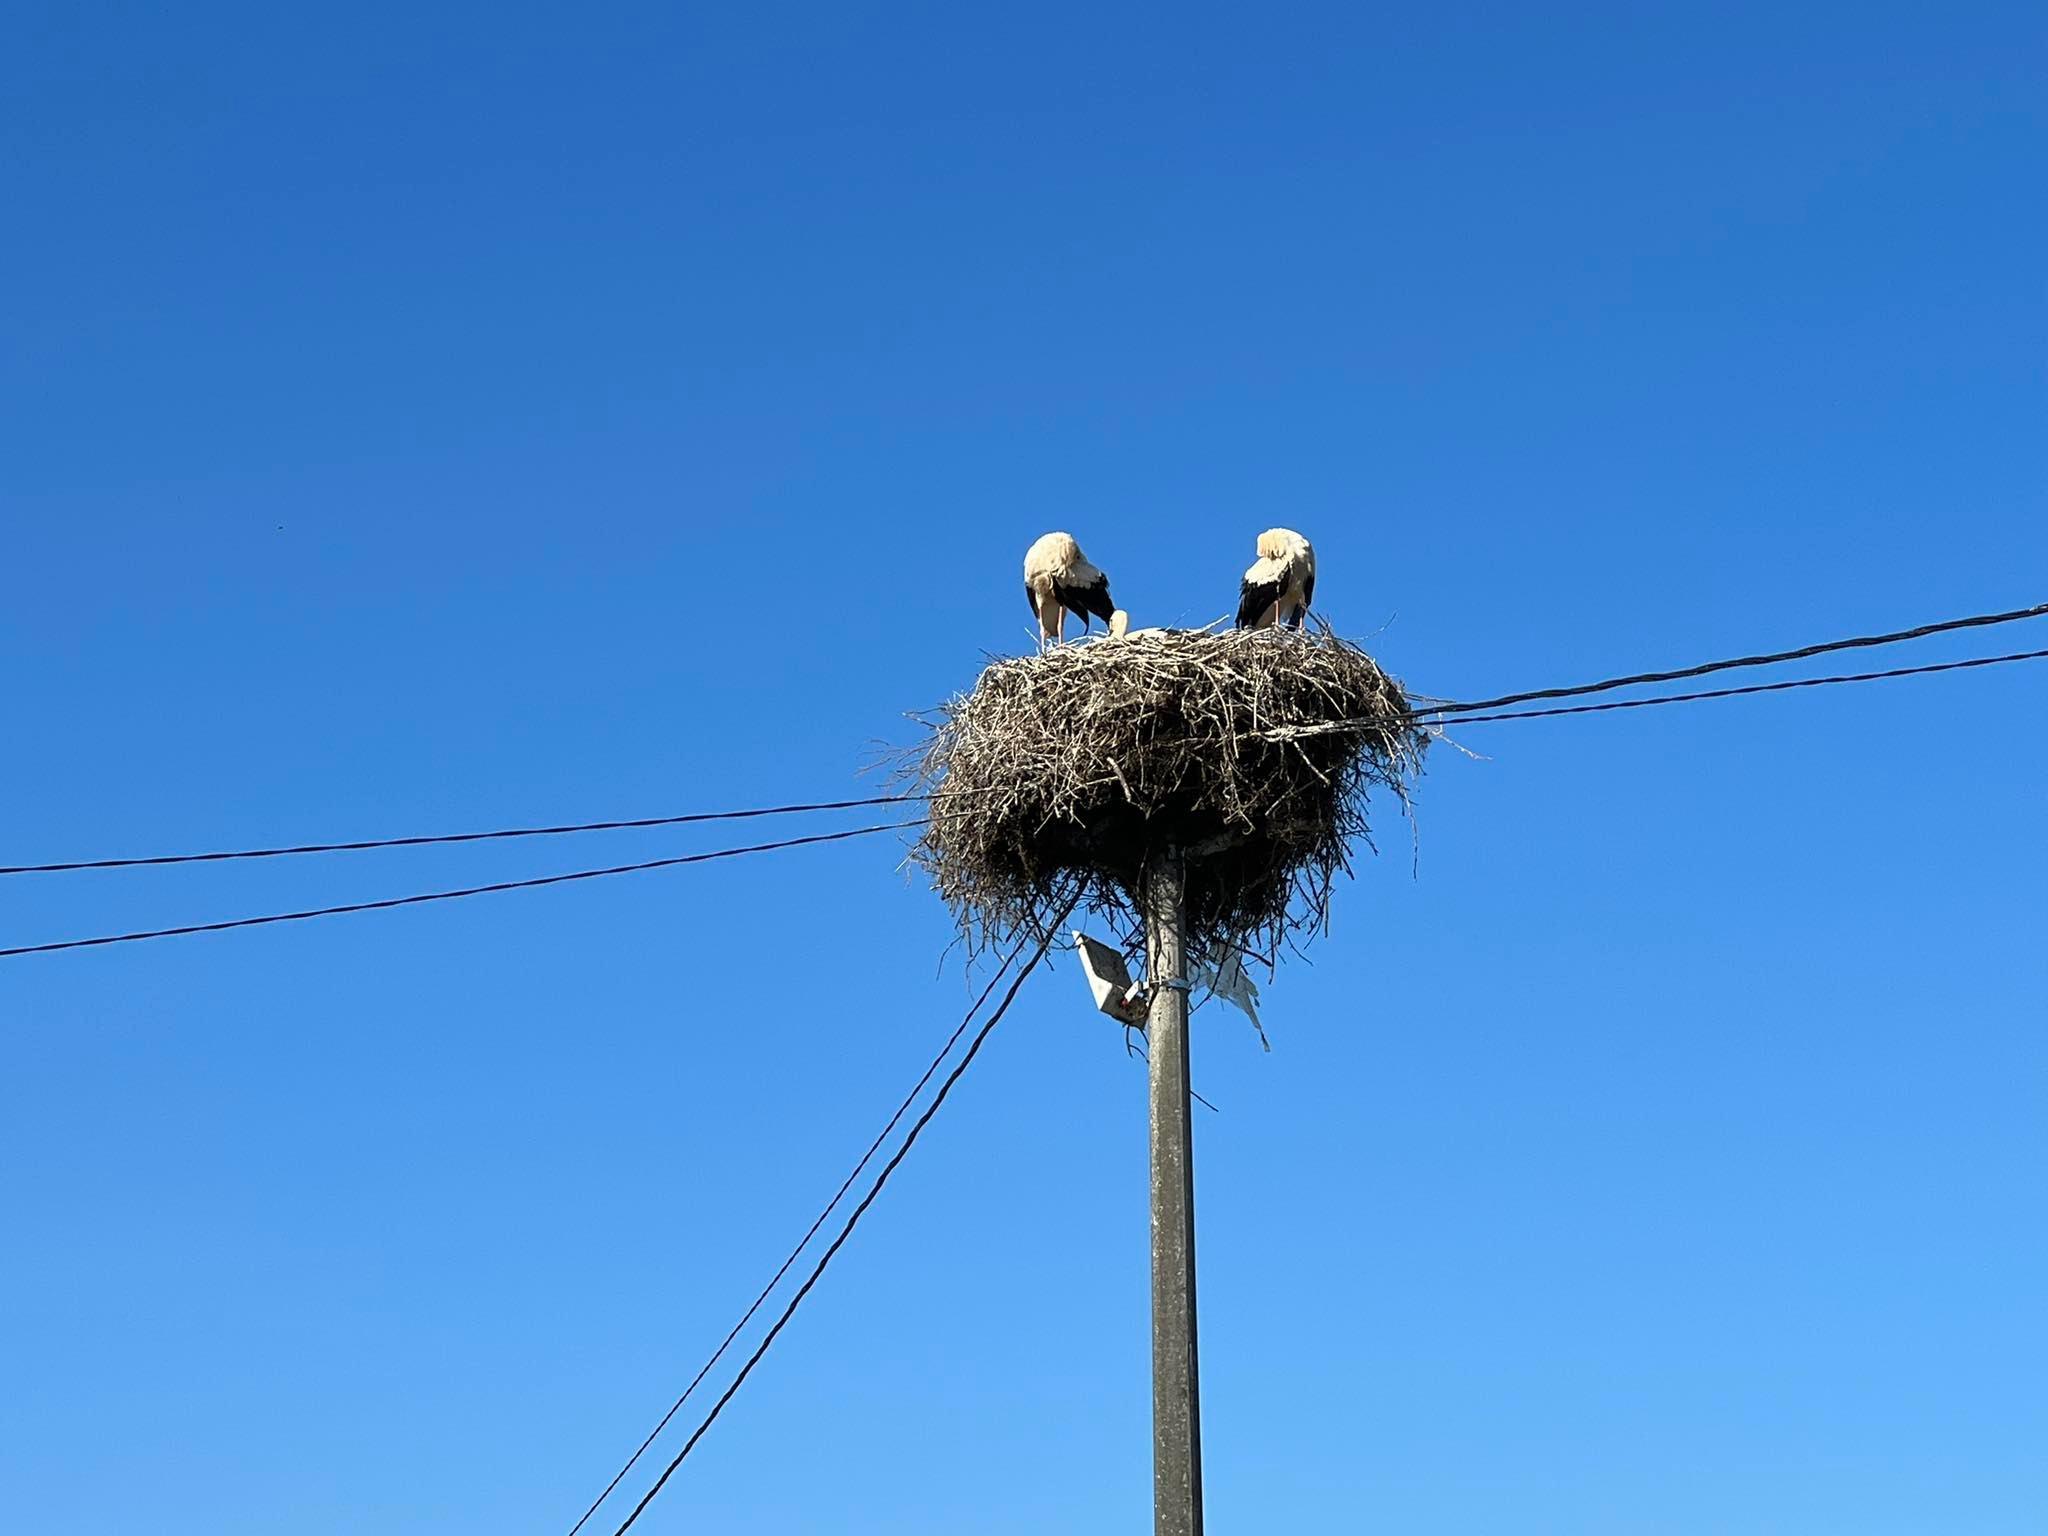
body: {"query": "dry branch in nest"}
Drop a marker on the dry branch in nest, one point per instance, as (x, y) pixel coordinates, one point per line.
(1073, 768)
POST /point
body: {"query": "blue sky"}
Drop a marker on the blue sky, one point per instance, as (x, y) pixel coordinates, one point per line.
(433, 417)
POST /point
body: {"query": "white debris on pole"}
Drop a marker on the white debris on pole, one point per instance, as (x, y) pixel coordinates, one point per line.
(1221, 973)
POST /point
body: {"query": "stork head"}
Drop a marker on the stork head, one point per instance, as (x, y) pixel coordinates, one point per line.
(1053, 551)
(1281, 544)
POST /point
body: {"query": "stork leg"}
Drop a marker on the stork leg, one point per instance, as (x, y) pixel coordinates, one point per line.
(1051, 621)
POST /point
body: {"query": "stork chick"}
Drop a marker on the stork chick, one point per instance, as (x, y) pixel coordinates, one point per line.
(1058, 580)
(1281, 583)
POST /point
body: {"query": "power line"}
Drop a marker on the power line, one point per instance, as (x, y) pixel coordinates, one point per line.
(1730, 693)
(473, 890)
(455, 837)
(1944, 626)
(1471, 709)
(909, 1141)
(803, 1242)
(1296, 732)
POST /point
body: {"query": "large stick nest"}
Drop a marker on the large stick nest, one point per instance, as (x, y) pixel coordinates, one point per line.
(1252, 752)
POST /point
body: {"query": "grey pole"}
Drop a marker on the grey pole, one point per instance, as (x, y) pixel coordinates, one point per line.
(1176, 1390)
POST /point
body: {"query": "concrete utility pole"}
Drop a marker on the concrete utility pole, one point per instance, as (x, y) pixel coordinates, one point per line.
(1176, 1388)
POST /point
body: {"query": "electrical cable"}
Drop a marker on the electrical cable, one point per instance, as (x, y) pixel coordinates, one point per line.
(804, 1242)
(846, 1231)
(1467, 708)
(1730, 693)
(455, 837)
(473, 890)
(1976, 621)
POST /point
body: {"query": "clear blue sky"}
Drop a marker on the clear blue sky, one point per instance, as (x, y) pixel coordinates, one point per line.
(423, 418)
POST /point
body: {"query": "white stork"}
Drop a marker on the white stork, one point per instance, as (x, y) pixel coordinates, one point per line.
(1058, 580)
(1281, 583)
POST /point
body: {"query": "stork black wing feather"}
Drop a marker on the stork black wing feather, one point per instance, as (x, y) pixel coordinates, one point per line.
(1083, 601)
(1254, 598)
